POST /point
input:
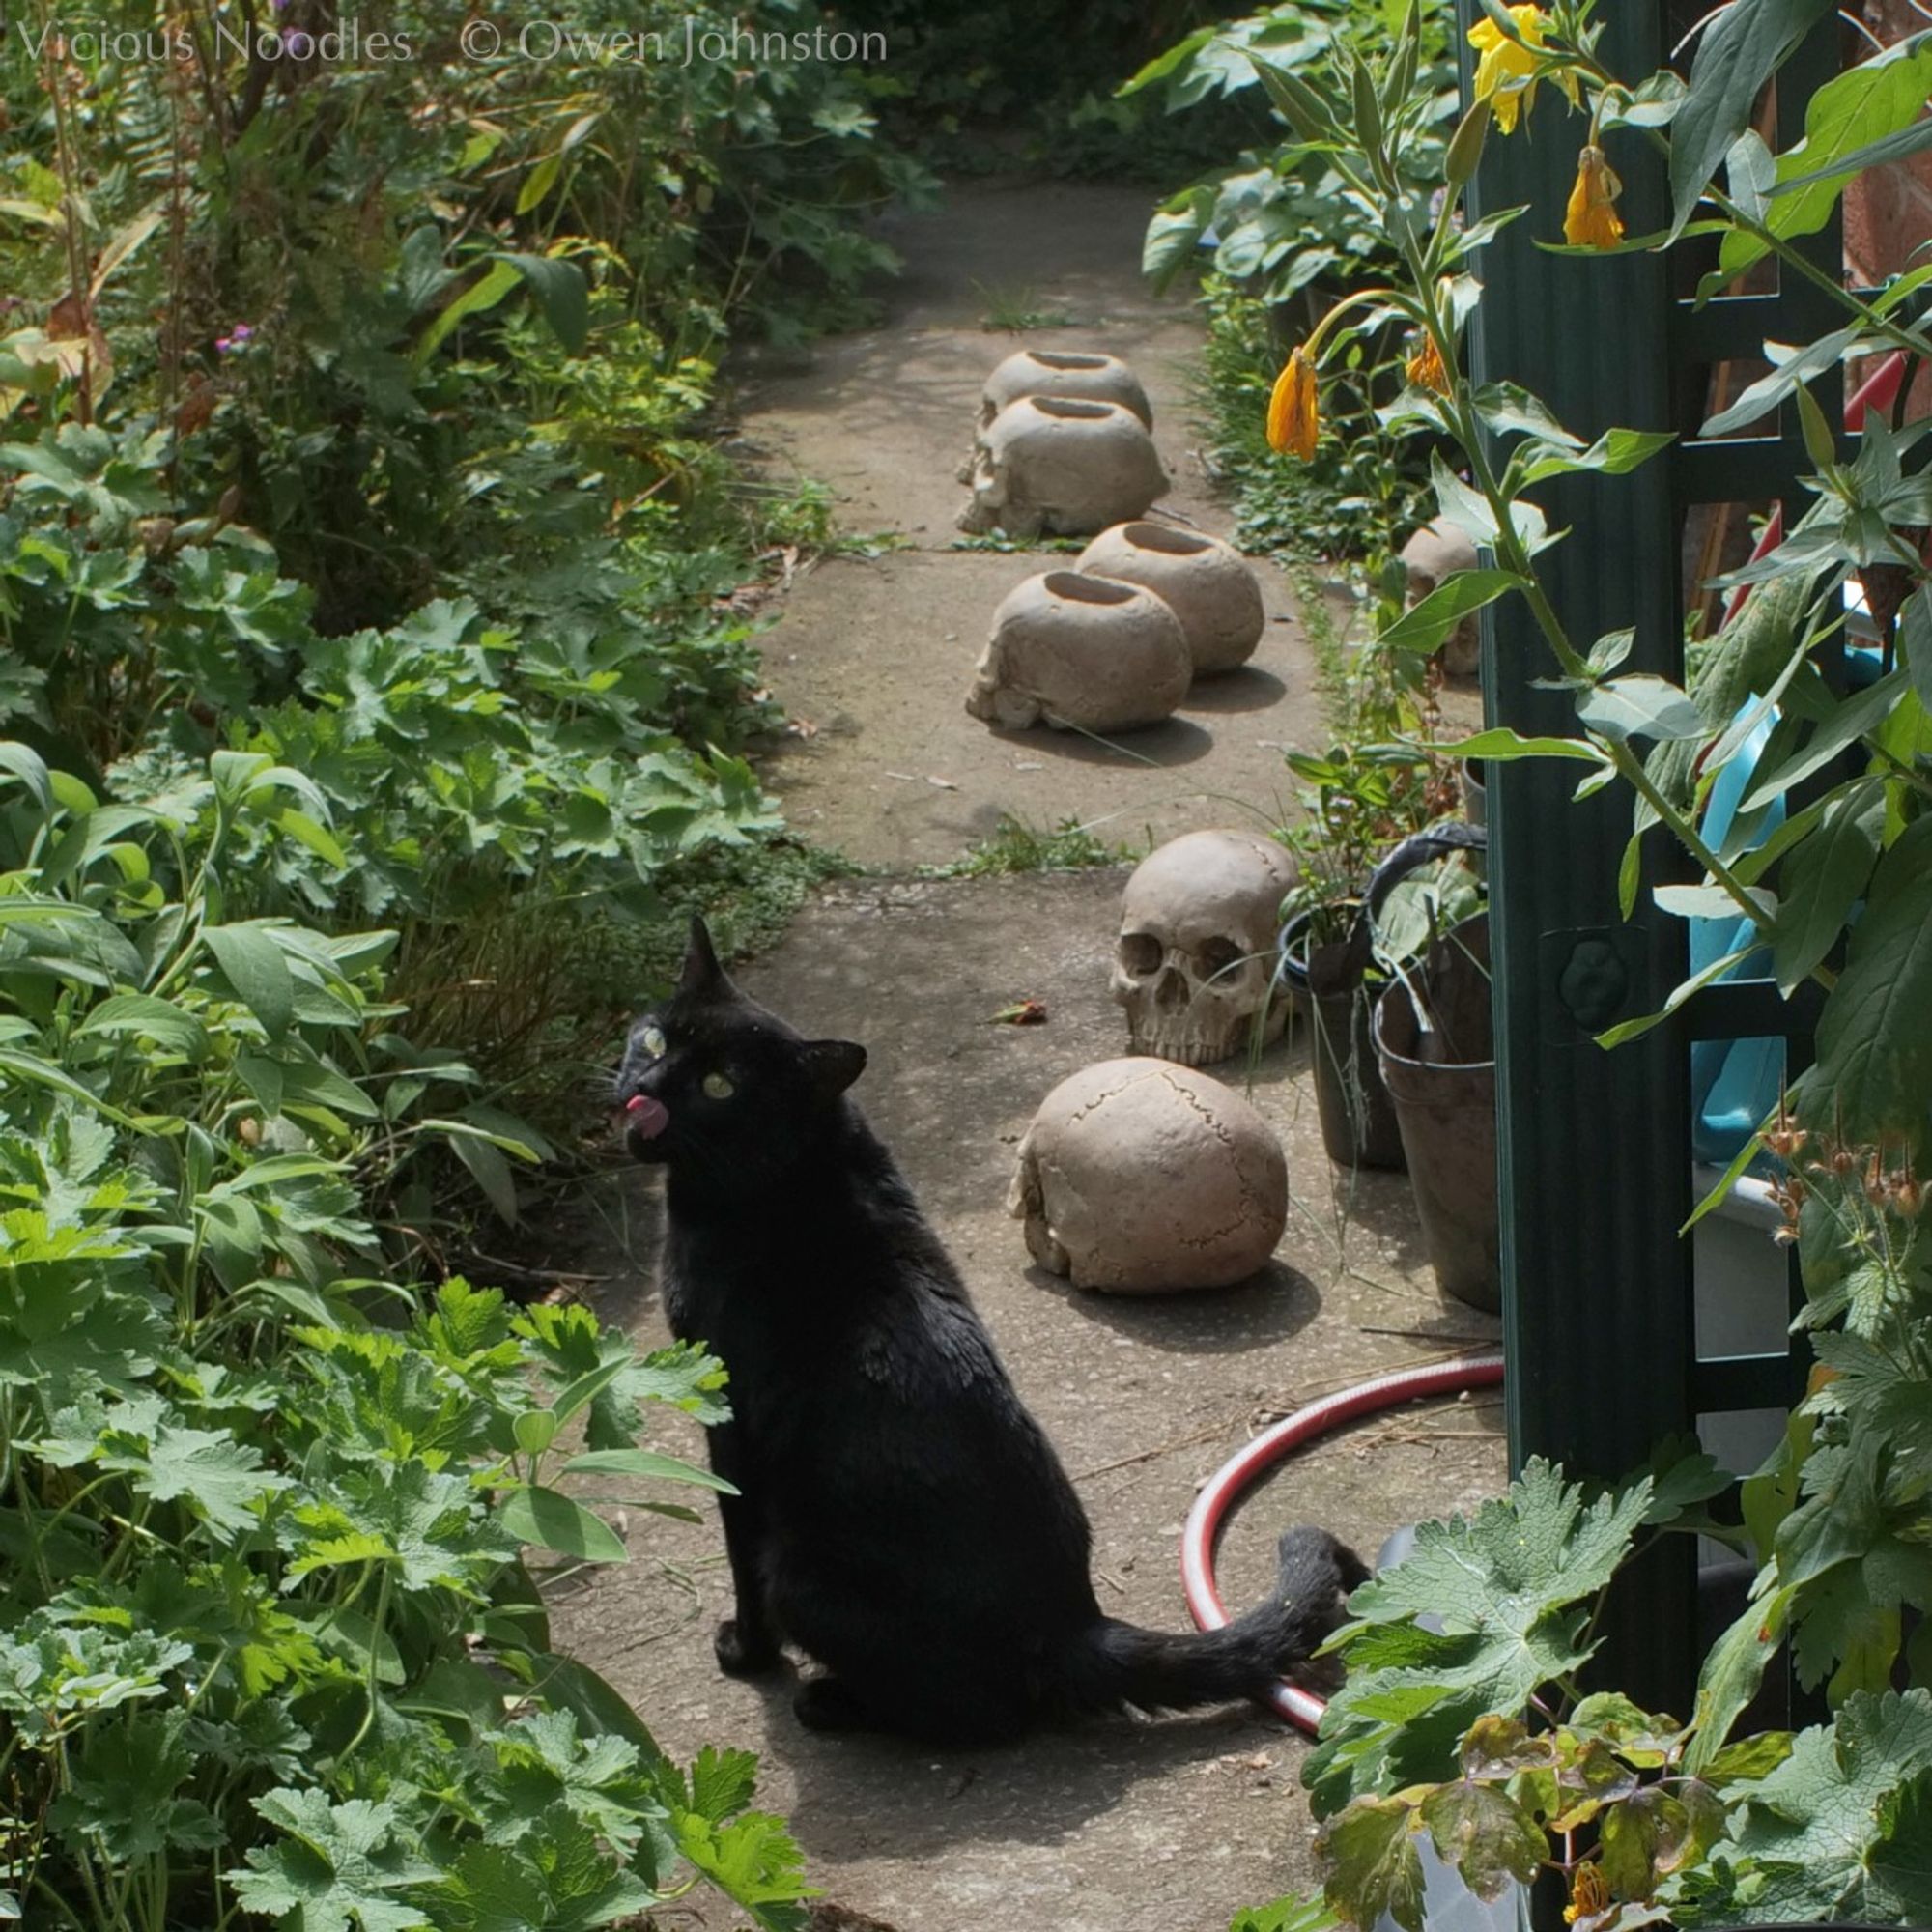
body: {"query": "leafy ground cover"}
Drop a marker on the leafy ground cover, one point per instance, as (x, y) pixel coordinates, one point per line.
(376, 680)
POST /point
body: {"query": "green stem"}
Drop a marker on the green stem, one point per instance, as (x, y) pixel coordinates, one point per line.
(1515, 556)
(363, 1729)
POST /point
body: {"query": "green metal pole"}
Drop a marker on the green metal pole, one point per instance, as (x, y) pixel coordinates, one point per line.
(1594, 1151)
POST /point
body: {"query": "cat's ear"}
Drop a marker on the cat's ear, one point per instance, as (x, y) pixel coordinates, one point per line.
(701, 973)
(832, 1065)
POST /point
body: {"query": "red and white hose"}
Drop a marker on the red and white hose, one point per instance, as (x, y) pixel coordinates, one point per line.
(1302, 1708)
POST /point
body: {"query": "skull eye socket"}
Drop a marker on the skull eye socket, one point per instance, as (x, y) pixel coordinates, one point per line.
(652, 1040)
(1141, 953)
(1218, 956)
(718, 1087)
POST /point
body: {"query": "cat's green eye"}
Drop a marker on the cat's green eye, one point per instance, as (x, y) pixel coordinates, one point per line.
(654, 1042)
(718, 1087)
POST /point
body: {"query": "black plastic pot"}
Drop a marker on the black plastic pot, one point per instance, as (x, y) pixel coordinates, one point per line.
(1336, 998)
(1443, 1080)
(1334, 985)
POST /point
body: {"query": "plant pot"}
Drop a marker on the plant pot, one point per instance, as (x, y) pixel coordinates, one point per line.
(1083, 652)
(1443, 1080)
(1330, 990)
(1205, 583)
(1055, 465)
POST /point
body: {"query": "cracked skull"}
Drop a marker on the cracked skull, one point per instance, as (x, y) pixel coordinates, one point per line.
(1195, 961)
(1138, 1177)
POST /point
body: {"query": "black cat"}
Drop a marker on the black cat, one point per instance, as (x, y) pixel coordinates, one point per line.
(901, 1518)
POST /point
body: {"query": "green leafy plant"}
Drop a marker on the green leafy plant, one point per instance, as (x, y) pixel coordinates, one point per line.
(1018, 846)
(1463, 1720)
(269, 1640)
(1277, 239)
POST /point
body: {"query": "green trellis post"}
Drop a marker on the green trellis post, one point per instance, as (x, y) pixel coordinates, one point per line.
(1594, 1146)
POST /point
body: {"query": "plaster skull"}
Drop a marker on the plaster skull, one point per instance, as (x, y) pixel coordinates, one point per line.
(1194, 964)
(1139, 1177)
(1080, 651)
(1207, 581)
(1437, 551)
(1059, 467)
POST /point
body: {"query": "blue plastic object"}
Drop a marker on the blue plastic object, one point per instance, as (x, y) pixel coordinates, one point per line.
(1734, 1084)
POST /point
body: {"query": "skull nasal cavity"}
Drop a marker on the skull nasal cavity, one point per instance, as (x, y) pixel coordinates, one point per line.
(1140, 953)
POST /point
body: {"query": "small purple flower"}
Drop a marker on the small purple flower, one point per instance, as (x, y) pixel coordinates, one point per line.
(243, 332)
(223, 344)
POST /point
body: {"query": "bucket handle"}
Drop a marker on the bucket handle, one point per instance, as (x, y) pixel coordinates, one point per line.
(1418, 849)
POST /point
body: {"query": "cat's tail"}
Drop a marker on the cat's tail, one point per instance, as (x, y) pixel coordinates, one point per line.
(1117, 1664)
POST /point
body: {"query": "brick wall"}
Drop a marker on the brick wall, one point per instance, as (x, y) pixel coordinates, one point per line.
(1889, 212)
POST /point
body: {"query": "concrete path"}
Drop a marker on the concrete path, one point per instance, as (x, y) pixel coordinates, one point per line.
(877, 653)
(1123, 1826)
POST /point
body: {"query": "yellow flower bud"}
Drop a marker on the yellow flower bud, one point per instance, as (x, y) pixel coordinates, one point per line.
(1295, 414)
(1591, 220)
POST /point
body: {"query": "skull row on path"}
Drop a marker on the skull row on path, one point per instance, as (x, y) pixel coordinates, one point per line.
(1137, 1175)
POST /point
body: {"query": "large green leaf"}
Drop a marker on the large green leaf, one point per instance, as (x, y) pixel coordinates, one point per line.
(481, 296)
(1370, 1852)
(143, 1017)
(561, 293)
(254, 966)
(1422, 629)
(1732, 1672)
(1813, 1829)
(1915, 634)
(553, 1521)
(1768, 392)
(1741, 48)
(1850, 721)
(1503, 1592)
(1871, 101)
(338, 1866)
(1875, 1067)
(647, 1464)
(1640, 706)
(1823, 879)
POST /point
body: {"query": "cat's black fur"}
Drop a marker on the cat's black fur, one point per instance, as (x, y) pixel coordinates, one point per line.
(902, 1518)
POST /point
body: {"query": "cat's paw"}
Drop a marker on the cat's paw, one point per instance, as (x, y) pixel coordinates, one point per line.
(825, 1704)
(742, 1653)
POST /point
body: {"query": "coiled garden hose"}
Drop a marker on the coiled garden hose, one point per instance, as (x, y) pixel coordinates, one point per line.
(1302, 1708)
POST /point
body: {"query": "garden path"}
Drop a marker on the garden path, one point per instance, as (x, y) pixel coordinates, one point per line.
(1120, 1827)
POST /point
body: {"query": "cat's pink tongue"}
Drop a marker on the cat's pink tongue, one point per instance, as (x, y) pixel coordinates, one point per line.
(646, 1118)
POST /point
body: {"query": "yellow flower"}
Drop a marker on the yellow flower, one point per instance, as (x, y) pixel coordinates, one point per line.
(1591, 220)
(1507, 74)
(1295, 414)
(1424, 368)
(1589, 1895)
